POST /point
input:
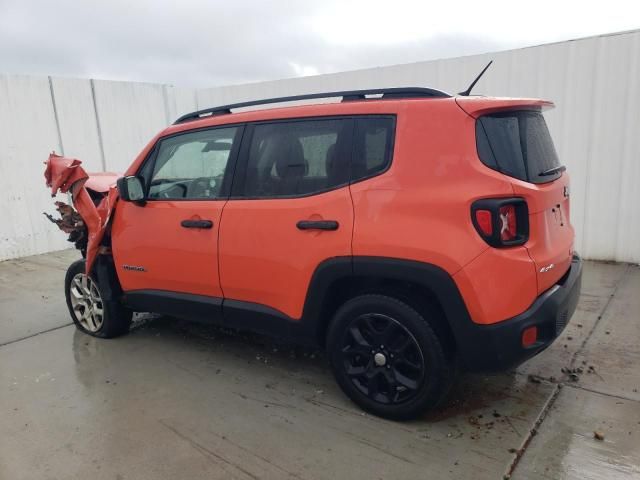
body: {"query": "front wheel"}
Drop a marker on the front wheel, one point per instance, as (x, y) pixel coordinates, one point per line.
(90, 311)
(386, 357)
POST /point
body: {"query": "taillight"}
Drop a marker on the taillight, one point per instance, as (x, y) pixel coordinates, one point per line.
(508, 223)
(501, 222)
(483, 219)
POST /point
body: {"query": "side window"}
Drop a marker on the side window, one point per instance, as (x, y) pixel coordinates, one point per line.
(373, 146)
(297, 158)
(192, 165)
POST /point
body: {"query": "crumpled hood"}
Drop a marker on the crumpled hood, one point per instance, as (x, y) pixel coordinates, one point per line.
(102, 182)
(65, 175)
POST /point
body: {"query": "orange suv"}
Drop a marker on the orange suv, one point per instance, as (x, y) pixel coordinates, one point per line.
(412, 234)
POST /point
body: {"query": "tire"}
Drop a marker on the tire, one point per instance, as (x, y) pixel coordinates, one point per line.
(90, 313)
(400, 380)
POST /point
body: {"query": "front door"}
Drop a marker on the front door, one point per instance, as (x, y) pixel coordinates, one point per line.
(169, 243)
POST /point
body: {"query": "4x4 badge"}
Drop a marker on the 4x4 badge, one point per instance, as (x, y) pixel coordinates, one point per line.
(547, 268)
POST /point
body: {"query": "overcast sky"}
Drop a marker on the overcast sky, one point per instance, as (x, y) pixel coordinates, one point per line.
(208, 42)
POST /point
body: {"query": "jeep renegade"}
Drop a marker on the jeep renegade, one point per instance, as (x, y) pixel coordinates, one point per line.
(412, 234)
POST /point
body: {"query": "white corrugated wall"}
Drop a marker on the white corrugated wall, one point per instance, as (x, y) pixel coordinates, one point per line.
(595, 83)
(103, 123)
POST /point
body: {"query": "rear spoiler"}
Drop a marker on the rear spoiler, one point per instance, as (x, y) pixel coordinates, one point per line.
(478, 106)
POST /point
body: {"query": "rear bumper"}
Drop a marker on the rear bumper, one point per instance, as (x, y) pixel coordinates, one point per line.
(499, 346)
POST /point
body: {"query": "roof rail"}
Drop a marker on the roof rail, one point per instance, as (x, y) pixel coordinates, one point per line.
(387, 93)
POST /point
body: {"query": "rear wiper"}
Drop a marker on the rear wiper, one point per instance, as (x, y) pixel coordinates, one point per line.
(552, 171)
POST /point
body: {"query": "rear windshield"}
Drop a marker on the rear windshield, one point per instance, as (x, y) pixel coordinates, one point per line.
(518, 144)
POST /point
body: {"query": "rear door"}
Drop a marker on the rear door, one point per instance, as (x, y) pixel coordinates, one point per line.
(289, 211)
(518, 144)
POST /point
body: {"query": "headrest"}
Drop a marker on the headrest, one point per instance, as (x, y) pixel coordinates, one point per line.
(290, 161)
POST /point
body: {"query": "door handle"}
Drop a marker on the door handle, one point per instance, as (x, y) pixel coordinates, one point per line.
(197, 223)
(317, 225)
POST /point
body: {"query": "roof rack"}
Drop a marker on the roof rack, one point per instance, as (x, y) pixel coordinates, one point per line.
(351, 95)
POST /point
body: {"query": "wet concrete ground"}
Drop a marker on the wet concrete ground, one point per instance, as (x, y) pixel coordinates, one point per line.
(180, 400)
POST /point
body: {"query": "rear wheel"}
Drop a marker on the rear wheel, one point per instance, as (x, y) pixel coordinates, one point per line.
(386, 357)
(90, 311)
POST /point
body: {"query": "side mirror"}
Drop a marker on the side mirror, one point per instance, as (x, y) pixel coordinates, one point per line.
(130, 189)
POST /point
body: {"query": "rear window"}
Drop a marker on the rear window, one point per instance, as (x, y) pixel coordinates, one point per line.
(295, 158)
(517, 144)
(306, 157)
(373, 145)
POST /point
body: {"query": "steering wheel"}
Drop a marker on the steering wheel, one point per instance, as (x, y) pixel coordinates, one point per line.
(167, 192)
(201, 187)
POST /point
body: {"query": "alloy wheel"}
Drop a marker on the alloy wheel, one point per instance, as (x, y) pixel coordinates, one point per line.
(382, 359)
(86, 302)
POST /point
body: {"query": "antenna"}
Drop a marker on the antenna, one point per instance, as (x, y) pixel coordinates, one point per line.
(473, 84)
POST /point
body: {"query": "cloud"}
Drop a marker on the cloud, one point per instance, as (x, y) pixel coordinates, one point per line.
(206, 43)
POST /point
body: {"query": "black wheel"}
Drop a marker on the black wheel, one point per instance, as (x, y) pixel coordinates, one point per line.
(91, 313)
(386, 357)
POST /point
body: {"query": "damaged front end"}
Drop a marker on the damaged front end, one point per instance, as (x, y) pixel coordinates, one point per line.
(94, 198)
(71, 222)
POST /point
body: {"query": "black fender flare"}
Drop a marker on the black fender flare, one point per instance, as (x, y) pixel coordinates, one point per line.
(429, 276)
